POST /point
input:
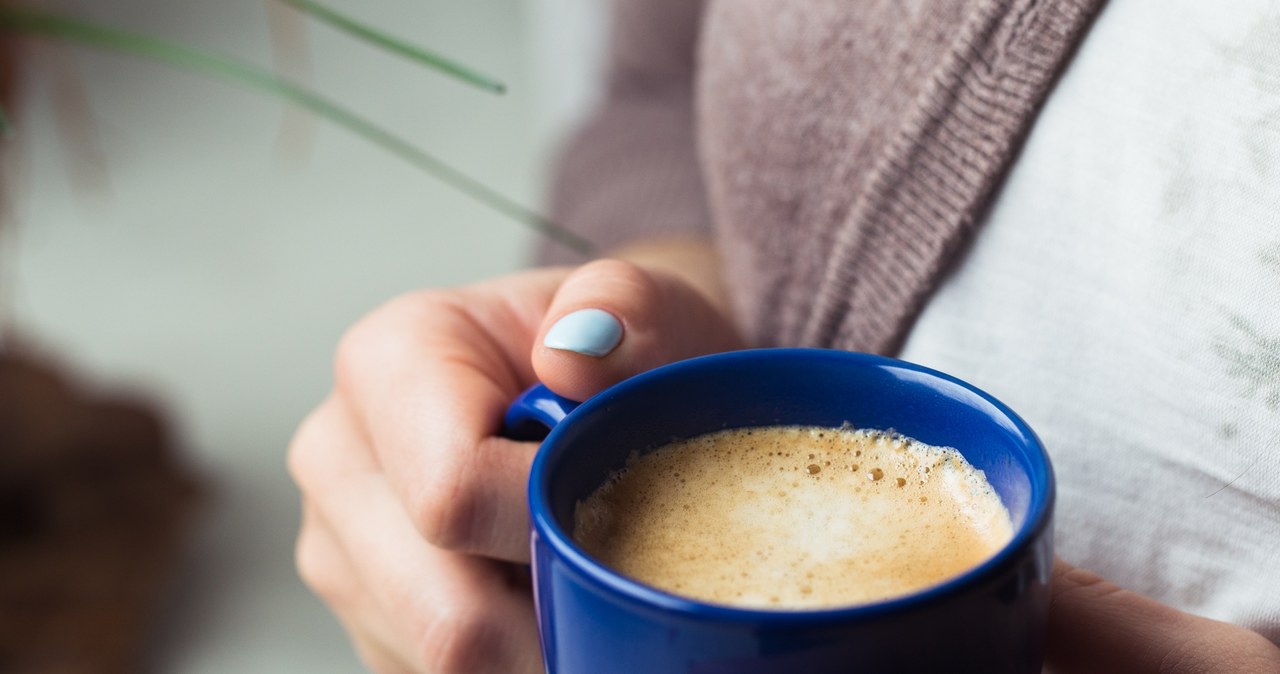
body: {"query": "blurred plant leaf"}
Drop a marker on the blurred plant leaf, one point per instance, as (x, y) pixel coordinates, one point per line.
(6, 129)
(35, 23)
(396, 45)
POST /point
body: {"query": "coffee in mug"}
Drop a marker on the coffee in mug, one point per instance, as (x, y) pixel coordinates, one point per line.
(793, 517)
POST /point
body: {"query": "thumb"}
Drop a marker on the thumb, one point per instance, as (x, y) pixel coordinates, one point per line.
(612, 319)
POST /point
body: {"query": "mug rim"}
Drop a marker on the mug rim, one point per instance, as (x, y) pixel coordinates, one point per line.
(544, 524)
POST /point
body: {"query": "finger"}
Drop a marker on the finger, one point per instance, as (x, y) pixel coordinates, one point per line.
(429, 378)
(327, 570)
(1088, 628)
(1095, 626)
(612, 319)
(452, 612)
(376, 657)
(323, 566)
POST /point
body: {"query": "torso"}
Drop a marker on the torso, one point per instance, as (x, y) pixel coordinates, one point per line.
(1123, 294)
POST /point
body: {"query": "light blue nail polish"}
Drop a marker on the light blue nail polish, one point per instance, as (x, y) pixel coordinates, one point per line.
(591, 332)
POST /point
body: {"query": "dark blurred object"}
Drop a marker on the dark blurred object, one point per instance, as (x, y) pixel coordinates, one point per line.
(94, 508)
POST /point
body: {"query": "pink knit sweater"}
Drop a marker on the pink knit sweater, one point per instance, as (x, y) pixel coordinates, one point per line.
(839, 153)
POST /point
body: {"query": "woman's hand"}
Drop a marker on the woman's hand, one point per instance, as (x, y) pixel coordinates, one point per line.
(414, 514)
(1095, 627)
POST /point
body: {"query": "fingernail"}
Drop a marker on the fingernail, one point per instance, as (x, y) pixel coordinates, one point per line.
(591, 332)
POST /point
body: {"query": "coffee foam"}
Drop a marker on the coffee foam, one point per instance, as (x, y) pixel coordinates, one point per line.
(794, 517)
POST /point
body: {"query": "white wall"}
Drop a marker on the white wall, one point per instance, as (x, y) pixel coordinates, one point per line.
(216, 272)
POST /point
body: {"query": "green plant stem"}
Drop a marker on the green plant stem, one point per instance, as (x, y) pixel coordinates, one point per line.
(197, 60)
(395, 45)
(6, 128)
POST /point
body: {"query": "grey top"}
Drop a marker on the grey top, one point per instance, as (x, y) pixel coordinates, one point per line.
(839, 155)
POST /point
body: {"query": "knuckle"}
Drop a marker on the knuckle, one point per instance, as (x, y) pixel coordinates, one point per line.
(315, 568)
(461, 641)
(445, 507)
(1077, 577)
(636, 280)
(356, 345)
(636, 293)
(299, 458)
(1093, 586)
(380, 332)
(1076, 583)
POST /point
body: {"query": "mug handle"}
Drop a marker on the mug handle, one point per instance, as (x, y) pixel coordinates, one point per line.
(534, 413)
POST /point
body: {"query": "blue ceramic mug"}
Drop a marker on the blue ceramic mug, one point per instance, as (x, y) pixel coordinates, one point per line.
(596, 621)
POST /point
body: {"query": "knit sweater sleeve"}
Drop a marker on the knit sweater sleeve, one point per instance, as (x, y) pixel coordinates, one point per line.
(631, 171)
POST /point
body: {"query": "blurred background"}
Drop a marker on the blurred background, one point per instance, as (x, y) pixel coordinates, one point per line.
(200, 245)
